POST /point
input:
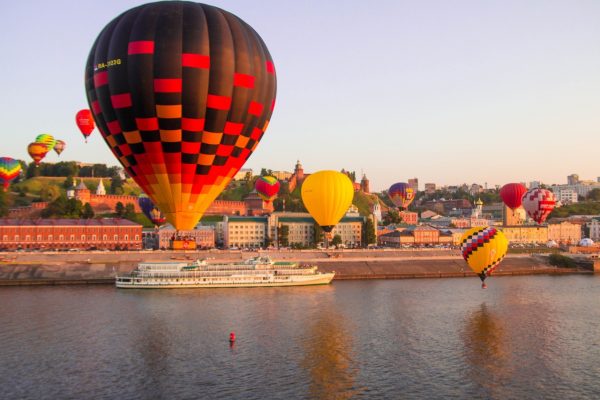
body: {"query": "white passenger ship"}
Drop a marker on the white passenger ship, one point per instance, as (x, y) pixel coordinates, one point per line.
(257, 271)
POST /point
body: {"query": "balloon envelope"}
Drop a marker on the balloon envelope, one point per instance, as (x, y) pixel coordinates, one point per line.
(85, 122)
(182, 93)
(512, 193)
(37, 151)
(401, 194)
(538, 203)
(59, 147)
(483, 248)
(9, 170)
(150, 210)
(327, 195)
(267, 187)
(47, 139)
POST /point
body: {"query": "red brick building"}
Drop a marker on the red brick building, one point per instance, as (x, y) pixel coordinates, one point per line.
(47, 234)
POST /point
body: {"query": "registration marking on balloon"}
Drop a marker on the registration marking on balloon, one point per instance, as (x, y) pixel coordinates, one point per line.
(183, 101)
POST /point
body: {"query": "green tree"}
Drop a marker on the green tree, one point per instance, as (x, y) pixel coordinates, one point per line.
(88, 212)
(50, 193)
(594, 195)
(129, 212)
(283, 234)
(266, 172)
(318, 234)
(116, 185)
(369, 236)
(57, 208)
(32, 171)
(69, 182)
(74, 208)
(392, 217)
(3, 204)
(336, 241)
(119, 209)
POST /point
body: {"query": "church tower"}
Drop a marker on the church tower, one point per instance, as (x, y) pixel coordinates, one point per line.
(100, 190)
(299, 172)
(364, 184)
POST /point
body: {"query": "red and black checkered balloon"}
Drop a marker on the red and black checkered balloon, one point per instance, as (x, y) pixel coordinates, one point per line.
(182, 93)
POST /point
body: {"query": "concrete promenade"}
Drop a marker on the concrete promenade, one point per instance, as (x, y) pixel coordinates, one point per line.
(100, 267)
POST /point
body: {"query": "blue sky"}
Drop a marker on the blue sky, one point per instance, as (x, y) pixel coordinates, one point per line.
(449, 92)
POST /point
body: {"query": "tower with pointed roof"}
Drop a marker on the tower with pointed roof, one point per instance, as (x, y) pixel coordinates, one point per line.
(82, 193)
(100, 190)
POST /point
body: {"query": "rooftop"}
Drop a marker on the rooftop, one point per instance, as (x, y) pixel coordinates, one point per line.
(66, 222)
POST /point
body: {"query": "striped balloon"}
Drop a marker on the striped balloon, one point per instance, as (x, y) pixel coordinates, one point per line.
(9, 170)
(47, 139)
(37, 151)
(483, 248)
(267, 188)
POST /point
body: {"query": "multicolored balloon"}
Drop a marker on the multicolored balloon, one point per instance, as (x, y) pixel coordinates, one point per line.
(182, 93)
(538, 203)
(9, 170)
(47, 139)
(401, 194)
(327, 195)
(37, 151)
(85, 122)
(59, 147)
(150, 210)
(483, 248)
(511, 194)
(267, 188)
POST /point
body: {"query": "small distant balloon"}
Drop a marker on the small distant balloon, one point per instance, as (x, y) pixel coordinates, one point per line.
(150, 210)
(9, 170)
(37, 151)
(538, 203)
(85, 122)
(401, 194)
(267, 188)
(512, 194)
(59, 147)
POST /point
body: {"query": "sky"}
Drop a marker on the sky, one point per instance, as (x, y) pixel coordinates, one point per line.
(448, 92)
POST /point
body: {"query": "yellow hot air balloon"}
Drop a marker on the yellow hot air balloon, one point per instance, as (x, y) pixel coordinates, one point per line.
(483, 248)
(327, 195)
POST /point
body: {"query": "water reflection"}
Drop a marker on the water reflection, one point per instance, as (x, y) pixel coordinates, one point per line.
(328, 358)
(486, 351)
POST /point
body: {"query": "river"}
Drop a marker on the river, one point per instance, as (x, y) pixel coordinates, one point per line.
(526, 337)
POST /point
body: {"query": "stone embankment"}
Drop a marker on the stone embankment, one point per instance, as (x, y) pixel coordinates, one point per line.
(101, 267)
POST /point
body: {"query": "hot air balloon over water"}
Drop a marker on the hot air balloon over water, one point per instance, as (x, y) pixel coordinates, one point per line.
(47, 139)
(538, 203)
(85, 122)
(37, 151)
(267, 187)
(150, 210)
(182, 93)
(327, 195)
(9, 170)
(512, 194)
(59, 147)
(483, 248)
(401, 194)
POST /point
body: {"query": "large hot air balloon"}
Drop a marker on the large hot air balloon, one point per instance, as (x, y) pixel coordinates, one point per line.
(327, 195)
(538, 203)
(85, 122)
(267, 187)
(37, 151)
(483, 248)
(59, 147)
(150, 210)
(401, 194)
(511, 194)
(9, 170)
(182, 93)
(47, 139)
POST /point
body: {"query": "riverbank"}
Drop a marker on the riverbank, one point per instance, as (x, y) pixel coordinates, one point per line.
(17, 269)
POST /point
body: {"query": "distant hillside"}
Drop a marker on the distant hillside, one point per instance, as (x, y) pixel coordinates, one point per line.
(364, 202)
(34, 186)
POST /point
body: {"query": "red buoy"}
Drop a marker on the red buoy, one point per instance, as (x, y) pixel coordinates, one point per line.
(232, 337)
(483, 285)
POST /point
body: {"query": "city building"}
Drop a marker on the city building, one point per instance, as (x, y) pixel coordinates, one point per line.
(566, 196)
(526, 234)
(421, 235)
(414, 184)
(364, 184)
(513, 217)
(242, 173)
(203, 236)
(430, 188)
(48, 234)
(245, 232)
(99, 200)
(594, 226)
(282, 175)
(573, 179)
(297, 177)
(564, 232)
(409, 217)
